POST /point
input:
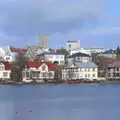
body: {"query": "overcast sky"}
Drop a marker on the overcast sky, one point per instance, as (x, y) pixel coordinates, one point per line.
(96, 23)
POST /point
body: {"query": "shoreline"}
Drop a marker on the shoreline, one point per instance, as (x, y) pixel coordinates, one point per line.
(60, 82)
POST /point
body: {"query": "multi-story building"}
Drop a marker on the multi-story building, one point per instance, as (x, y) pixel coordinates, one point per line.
(72, 45)
(44, 41)
(53, 57)
(113, 70)
(80, 70)
(79, 57)
(37, 71)
(5, 70)
(80, 66)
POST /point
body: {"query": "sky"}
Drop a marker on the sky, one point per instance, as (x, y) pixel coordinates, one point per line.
(96, 23)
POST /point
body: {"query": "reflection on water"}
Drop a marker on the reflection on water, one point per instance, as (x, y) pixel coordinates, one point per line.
(60, 102)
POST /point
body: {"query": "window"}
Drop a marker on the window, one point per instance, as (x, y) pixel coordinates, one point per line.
(50, 74)
(78, 58)
(34, 74)
(2, 67)
(117, 69)
(23, 74)
(43, 68)
(44, 75)
(93, 69)
(69, 45)
(86, 75)
(94, 75)
(5, 74)
(27, 74)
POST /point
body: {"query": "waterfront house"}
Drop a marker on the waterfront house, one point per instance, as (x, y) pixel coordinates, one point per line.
(36, 71)
(5, 70)
(107, 67)
(113, 70)
(80, 70)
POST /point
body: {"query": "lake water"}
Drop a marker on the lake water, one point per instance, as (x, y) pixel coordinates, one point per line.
(60, 102)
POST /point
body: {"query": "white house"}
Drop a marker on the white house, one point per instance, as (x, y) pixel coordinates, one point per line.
(79, 57)
(80, 70)
(5, 70)
(53, 57)
(37, 71)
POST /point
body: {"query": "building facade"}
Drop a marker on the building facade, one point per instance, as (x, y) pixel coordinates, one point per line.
(72, 45)
(37, 71)
(79, 57)
(53, 57)
(79, 70)
(113, 71)
(5, 70)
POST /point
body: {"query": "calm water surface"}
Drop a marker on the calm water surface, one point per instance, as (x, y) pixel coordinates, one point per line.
(60, 102)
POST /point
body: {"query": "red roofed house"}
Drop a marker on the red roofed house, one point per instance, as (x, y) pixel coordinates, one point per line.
(18, 50)
(36, 71)
(5, 70)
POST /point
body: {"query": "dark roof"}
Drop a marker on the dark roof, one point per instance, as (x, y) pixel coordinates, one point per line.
(106, 62)
(109, 51)
(36, 64)
(79, 54)
(114, 63)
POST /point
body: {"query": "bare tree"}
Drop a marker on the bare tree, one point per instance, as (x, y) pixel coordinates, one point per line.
(17, 67)
(58, 72)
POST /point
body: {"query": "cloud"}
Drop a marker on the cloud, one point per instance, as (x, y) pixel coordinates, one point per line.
(34, 17)
(114, 30)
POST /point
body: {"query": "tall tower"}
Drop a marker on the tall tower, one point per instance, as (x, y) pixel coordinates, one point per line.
(44, 41)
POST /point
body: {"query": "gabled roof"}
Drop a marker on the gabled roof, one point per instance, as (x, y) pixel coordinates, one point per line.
(79, 54)
(36, 64)
(115, 63)
(7, 65)
(109, 51)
